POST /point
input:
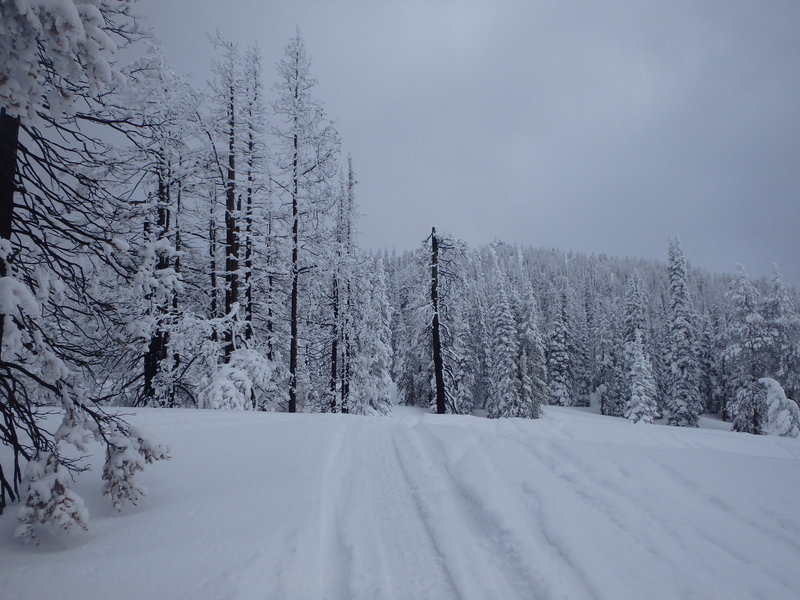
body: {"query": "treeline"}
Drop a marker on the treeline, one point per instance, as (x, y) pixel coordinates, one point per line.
(526, 327)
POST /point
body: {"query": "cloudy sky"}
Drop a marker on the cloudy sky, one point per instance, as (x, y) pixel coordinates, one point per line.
(595, 126)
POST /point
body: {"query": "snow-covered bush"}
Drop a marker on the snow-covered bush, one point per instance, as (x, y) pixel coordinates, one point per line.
(783, 415)
(238, 384)
(761, 407)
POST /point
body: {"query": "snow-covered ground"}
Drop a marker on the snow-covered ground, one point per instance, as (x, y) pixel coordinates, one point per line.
(413, 506)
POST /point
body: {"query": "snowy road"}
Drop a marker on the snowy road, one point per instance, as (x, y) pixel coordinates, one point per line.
(415, 506)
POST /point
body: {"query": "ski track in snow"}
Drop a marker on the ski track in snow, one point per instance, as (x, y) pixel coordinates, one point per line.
(417, 506)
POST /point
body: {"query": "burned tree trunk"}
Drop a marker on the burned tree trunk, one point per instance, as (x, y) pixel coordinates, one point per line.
(438, 364)
(9, 140)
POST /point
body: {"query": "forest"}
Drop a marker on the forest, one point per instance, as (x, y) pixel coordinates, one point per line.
(171, 245)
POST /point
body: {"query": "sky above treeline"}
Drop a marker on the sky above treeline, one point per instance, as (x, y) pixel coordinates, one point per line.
(592, 126)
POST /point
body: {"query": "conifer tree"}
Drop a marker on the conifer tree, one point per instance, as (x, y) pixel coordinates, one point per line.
(683, 404)
(782, 322)
(62, 249)
(371, 380)
(749, 408)
(306, 147)
(533, 363)
(748, 335)
(505, 387)
(641, 405)
(611, 386)
(559, 350)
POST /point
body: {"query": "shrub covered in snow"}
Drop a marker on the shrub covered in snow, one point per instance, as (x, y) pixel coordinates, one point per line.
(761, 407)
(782, 413)
(238, 384)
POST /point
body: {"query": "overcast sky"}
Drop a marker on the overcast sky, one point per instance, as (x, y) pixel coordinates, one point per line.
(594, 126)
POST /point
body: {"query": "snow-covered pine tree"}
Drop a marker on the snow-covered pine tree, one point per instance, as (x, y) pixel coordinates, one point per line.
(533, 362)
(254, 211)
(414, 360)
(164, 157)
(782, 322)
(345, 273)
(762, 408)
(749, 408)
(370, 387)
(611, 382)
(460, 362)
(559, 349)
(306, 147)
(641, 405)
(705, 359)
(477, 336)
(747, 351)
(227, 89)
(57, 178)
(634, 317)
(447, 327)
(505, 387)
(683, 403)
(658, 348)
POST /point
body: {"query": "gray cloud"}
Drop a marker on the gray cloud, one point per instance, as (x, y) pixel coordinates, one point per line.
(602, 127)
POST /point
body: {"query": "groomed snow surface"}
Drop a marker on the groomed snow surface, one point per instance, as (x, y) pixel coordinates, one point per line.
(413, 506)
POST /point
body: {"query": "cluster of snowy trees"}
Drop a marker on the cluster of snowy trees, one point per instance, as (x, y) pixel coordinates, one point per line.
(526, 327)
(255, 294)
(166, 245)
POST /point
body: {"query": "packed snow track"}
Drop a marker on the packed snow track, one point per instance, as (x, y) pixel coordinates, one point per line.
(419, 506)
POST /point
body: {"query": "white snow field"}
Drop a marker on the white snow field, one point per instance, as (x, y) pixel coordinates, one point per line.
(414, 506)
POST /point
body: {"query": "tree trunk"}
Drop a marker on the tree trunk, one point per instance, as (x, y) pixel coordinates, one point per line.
(159, 341)
(9, 142)
(438, 366)
(347, 355)
(270, 290)
(231, 231)
(212, 256)
(248, 249)
(334, 344)
(295, 282)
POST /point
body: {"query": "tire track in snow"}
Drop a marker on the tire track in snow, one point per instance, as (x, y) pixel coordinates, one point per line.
(647, 521)
(376, 542)
(470, 530)
(335, 553)
(490, 506)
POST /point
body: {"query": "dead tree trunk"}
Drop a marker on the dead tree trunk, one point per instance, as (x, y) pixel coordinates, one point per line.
(438, 365)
